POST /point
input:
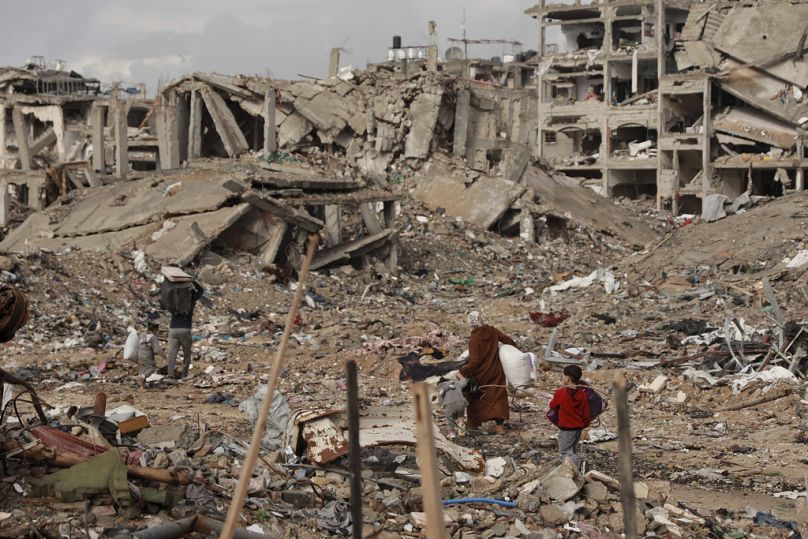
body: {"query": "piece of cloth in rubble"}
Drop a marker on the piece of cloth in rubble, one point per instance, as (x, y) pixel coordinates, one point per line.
(278, 419)
(335, 517)
(147, 347)
(768, 519)
(490, 402)
(451, 399)
(13, 312)
(101, 474)
(413, 368)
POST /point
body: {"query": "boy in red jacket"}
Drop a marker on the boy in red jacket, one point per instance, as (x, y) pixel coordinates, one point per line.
(572, 405)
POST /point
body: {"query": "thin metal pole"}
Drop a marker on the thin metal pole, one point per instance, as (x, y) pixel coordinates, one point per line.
(354, 449)
(252, 456)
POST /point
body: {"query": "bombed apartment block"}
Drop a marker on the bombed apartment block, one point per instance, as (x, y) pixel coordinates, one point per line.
(683, 101)
(597, 111)
(60, 131)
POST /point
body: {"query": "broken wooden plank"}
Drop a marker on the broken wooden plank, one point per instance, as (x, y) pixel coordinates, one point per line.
(294, 216)
(428, 463)
(226, 124)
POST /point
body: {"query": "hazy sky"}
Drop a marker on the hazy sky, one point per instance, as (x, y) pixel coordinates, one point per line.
(152, 40)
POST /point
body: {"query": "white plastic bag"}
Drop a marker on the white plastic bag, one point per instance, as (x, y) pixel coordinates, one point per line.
(516, 365)
(131, 346)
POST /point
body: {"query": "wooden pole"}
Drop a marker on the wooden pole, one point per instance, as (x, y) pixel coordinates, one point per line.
(785, 392)
(252, 456)
(624, 456)
(354, 449)
(428, 464)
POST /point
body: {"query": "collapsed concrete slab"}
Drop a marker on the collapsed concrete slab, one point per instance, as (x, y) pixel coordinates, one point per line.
(483, 203)
(585, 206)
(174, 217)
(424, 111)
(751, 124)
(128, 204)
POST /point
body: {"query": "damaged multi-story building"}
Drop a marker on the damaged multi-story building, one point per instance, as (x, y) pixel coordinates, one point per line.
(60, 130)
(679, 100)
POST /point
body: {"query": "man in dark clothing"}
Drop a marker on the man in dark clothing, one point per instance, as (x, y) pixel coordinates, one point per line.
(179, 335)
(490, 402)
(572, 405)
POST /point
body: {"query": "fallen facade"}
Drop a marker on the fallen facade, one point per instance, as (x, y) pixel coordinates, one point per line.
(676, 100)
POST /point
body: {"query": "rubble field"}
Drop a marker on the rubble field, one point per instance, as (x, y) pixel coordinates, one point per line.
(423, 199)
(700, 469)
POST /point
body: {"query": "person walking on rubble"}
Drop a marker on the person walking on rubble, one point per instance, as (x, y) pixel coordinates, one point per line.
(179, 335)
(147, 348)
(490, 399)
(571, 404)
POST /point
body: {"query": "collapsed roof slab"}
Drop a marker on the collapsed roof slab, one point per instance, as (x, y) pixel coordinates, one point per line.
(296, 177)
(757, 88)
(126, 204)
(226, 124)
(768, 36)
(751, 124)
(177, 241)
(584, 205)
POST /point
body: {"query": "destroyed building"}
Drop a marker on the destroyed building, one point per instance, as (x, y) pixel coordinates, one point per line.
(673, 99)
(60, 131)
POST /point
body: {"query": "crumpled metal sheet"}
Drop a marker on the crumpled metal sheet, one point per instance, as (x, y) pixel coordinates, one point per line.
(321, 435)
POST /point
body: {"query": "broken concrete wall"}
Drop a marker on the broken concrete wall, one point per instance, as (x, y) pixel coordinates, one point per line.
(372, 120)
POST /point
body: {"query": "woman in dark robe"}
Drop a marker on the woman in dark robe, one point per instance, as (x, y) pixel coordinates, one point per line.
(490, 402)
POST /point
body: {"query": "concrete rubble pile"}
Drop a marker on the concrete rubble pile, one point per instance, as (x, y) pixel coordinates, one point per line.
(378, 122)
(259, 207)
(471, 263)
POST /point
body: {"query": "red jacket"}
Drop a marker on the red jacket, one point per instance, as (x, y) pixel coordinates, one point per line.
(573, 408)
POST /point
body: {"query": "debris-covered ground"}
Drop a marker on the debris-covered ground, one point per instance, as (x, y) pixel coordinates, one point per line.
(683, 317)
(418, 225)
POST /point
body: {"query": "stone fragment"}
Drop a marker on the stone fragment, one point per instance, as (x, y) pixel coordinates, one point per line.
(597, 491)
(552, 514)
(528, 502)
(563, 482)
